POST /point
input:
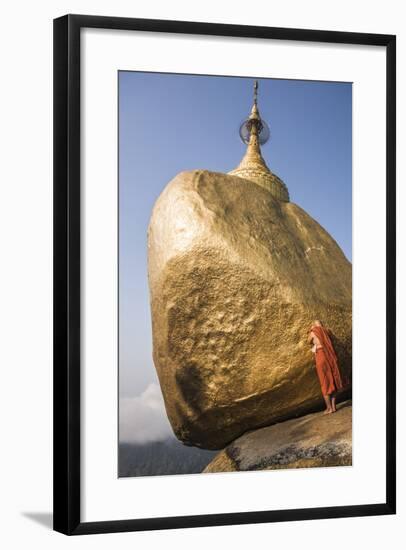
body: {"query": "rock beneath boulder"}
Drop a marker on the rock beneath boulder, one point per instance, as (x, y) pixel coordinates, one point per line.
(236, 278)
(315, 440)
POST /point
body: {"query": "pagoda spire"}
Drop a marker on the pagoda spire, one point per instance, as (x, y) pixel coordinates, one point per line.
(254, 132)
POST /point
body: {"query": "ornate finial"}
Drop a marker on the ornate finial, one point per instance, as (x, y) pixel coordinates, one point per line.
(254, 132)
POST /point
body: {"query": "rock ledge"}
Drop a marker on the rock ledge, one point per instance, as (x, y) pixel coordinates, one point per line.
(314, 440)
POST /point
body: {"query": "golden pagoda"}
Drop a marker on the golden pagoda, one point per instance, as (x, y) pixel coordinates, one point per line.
(254, 132)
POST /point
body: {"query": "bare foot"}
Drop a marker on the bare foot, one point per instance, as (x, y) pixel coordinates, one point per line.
(328, 411)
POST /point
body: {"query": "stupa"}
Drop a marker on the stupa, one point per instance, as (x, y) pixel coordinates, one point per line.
(254, 131)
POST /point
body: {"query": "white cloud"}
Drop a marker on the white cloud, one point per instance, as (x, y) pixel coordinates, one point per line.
(143, 418)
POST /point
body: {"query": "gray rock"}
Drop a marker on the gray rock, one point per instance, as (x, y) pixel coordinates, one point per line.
(314, 440)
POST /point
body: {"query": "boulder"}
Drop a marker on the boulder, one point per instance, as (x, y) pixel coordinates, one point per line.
(314, 440)
(236, 278)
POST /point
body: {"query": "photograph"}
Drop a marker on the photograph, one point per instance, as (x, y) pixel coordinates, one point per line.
(234, 274)
(203, 297)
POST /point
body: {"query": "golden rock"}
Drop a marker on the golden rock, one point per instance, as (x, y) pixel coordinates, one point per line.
(236, 278)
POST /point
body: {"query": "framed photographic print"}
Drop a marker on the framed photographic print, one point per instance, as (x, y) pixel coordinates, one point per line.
(224, 274)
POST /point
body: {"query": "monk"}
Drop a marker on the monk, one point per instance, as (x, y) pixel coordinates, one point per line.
(326, 365)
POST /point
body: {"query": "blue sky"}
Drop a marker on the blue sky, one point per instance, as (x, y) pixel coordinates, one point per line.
(169, 123)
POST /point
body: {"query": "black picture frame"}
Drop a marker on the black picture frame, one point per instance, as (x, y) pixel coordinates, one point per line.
(67, 287)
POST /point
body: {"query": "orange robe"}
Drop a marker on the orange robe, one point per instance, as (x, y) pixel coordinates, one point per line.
(327, 363)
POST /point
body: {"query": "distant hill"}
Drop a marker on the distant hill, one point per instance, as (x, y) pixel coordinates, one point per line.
(167, 457)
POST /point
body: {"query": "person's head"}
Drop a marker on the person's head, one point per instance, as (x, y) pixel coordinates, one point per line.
(317, 323)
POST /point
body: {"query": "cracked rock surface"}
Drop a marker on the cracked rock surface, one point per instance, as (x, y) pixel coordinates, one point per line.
(314, 440)
(236, 277)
